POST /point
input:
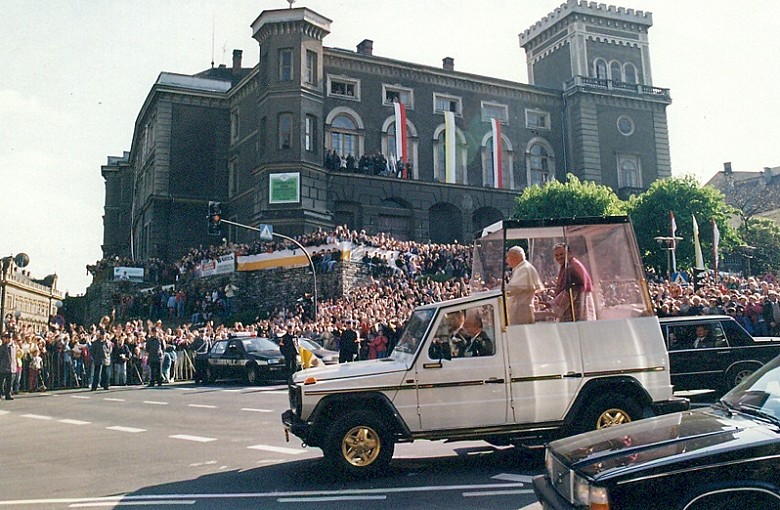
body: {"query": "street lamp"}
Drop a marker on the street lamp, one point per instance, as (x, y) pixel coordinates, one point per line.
(747, 252)
(668, 244)
(21, 260)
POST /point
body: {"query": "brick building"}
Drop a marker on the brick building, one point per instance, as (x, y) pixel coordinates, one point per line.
(256, 138)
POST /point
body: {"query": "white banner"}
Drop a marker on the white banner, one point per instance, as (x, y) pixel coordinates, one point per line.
(131, 274)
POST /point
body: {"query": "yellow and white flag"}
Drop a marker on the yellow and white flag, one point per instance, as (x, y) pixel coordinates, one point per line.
(449, 147)
(697, 245)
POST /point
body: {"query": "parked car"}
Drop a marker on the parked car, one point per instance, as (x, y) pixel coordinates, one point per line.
(723, 457)
(327, 356)
(250, 358)
(725, 356)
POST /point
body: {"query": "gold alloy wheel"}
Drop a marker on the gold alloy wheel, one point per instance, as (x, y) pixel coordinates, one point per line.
(361, 446)
(612, 417)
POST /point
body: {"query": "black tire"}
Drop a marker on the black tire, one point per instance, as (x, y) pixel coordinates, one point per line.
(608, 411)
(737, 374)
(359, 444)
(252, 376)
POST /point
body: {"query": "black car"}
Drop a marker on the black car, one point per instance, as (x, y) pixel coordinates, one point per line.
(720, 359)
(250, 358)
(724, 457)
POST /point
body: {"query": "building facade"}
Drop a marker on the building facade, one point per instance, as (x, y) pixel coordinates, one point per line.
(257, 139)
(25, 301)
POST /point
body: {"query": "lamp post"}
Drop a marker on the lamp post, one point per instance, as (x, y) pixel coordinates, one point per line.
(747, 252)
(668, 244)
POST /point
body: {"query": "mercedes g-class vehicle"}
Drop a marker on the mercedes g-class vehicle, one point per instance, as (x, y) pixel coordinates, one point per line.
(587, 354)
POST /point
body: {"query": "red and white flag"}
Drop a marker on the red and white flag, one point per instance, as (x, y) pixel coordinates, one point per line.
(674, 243)
(715, 243)
(400, 131)
(498, 175)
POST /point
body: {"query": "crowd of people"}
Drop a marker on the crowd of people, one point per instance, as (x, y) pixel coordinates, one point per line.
(373, 164)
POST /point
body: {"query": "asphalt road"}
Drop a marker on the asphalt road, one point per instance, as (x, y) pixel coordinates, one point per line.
(223, 446)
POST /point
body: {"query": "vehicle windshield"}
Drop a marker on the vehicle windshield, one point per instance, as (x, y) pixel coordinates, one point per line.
(414, 332)
(759, 394)
(259, 344)
(308, 344)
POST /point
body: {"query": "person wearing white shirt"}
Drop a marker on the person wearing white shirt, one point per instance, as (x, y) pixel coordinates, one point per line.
(522, 287)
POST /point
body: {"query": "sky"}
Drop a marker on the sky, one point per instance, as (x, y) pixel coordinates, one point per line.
(76, 74)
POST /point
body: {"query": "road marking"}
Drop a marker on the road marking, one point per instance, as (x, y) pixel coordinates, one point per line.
(132, 503)
(126, 429)
(533, 506)
(83, 397)
(37, 417)
(329, 498)
(253, 410)
(276, 392)
(197, 439)
(114, 399)
(232, 391)
(507, 477)
(202, 406)
(74, 422)
(155, 403)
(277, 449)
(497, 493)
(4, 412)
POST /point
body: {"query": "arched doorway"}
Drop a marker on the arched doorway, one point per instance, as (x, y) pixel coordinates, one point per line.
(445, 223)
(395, 218)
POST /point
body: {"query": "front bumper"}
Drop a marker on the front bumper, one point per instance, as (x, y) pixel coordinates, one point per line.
(673, 405)
(297, 426)
(548, 496)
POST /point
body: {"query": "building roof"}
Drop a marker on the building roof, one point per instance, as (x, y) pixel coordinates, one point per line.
(193, 82)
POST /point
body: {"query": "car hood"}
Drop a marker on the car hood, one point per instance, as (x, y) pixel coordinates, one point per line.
(645, 444)
(266, 355)
(351, 370)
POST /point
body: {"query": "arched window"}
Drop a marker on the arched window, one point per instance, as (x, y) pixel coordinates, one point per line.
(388, 143)
(630, 175)
(344, 132)
(615, 71)
(507, 162)
(629, 71)
(439, 156)
(600, 69)
(540, 162)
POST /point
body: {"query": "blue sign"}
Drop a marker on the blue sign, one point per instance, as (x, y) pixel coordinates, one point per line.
(266, 232)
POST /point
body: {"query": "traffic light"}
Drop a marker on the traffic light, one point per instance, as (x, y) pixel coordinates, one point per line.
(699, 277)
(215, 218)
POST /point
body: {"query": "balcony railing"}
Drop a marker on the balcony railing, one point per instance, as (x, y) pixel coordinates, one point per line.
(598, 84)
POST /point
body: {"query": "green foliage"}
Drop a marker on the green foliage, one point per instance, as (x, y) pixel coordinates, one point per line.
(572, 199)
(764, 235)
(684, 197)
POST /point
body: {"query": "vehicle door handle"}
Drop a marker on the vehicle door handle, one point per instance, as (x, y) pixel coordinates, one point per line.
(494, 380)
(433, 365)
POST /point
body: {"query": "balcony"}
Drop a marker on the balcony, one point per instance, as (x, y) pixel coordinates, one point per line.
(583, 83)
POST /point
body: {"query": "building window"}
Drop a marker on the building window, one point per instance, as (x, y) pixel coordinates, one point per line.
(625, 125)
(629, 73)
(286, 64)
(343, 87)
(311, 67)
(447, 103)
(495, 111)
(232, 178)
(397, 94)
(310, 133)
(600, 69)
(388, 143)
(440, 158)
(537, 119)
(615, 71)
(285, 130)
(507, 162)
(629, 171)
(344, 136)
(234, 125)
(540, 163)
(262, 137)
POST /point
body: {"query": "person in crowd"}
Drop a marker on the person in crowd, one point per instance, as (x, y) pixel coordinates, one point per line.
(101, 350)
(154, 352)
(119, 357)
(522, 287)
(349, 344)
(287, 344)
(7, 365)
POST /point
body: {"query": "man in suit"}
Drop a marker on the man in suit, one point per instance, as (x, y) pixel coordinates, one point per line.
(7, 365)
(703, 338)
(154, 354)
(479, 343)
(289, 351)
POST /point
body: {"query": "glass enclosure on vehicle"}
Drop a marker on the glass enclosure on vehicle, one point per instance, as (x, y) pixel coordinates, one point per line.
(588, 269)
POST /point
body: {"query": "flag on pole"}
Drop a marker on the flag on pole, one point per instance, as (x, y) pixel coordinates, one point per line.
(449, 147)
(400, 131)
(674, 243)
(498, 172)
(697, 245)
(715, 242)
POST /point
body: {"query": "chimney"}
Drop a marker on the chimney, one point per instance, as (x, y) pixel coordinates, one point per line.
(727, 167)
(366, 47)
(448, 63)
(237, 60)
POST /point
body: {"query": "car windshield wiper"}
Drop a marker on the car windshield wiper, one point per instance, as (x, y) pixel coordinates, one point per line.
(726, 406)
(758, 413)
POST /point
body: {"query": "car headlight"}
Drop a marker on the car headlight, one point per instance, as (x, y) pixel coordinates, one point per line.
(593, 497)
(261, 362)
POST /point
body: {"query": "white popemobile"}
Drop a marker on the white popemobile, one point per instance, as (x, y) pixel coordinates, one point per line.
(594, 357)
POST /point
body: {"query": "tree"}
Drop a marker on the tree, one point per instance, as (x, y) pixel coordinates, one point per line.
(764, 237)
(572, 199)
(684, 197)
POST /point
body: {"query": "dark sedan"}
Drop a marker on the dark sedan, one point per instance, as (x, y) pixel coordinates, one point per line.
(252, 359)
(724, 457)
(713, 352)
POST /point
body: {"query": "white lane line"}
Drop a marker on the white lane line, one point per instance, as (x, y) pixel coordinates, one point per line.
(533, 506)
(4, 412)
(232, 391)
(497, 493)
(74, 422)
(37, 417)
(275, 392)
(276, 449)
(133, 503)
(197, 439)
(330, 498)
(126, 429)
(202, 406)
(253, 410)
(114, 399)
(155, 403)
(508, 477)
(83, 397)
